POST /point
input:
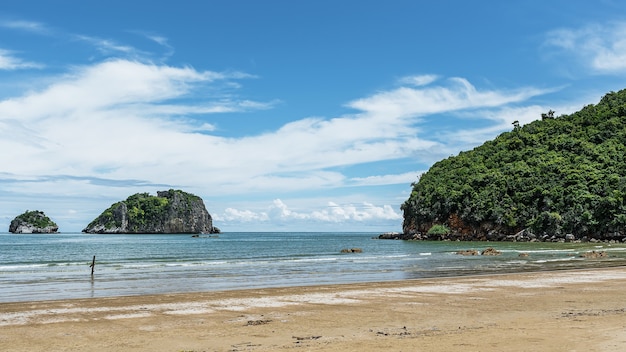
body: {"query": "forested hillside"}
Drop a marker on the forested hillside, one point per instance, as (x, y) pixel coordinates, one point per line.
(552, 177)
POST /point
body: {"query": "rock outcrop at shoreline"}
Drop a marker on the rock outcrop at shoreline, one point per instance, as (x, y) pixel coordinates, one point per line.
(172, 211)
(594, 255)
(493, 236)
(34, 221)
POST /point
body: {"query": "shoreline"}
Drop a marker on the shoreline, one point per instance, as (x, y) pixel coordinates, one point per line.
(132, 265)
(560, 310)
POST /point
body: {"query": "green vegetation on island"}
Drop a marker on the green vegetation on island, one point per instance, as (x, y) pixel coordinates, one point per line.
(553, 177)
(172, 211)
(33, 221)
(142, 208)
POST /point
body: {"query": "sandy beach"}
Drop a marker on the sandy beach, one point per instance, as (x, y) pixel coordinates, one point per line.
(582, 310)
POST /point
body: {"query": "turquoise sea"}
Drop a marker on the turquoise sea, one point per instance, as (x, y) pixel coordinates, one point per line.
(48, 267)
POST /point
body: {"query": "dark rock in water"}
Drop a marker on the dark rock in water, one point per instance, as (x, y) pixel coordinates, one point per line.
(467, 252)
(352, 250)
(390, 236)
(33, 222)
(490, 251)
(172, 211)
(594, 255)
(400, 236)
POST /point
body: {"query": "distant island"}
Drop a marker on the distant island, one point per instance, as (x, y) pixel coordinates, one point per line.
(172, 211)
(555, 179)
(34, 221)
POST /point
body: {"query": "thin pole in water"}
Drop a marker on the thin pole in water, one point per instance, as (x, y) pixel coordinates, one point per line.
(93, 264)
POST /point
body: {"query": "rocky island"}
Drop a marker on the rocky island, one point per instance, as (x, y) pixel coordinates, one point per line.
(34, 221)
(556, 179)
(172, 211)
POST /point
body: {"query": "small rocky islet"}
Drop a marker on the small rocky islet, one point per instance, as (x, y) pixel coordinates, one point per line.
(172, 211)
(33, 221)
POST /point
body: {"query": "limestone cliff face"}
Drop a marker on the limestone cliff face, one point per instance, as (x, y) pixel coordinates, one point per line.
(172, 211)
(33, 222)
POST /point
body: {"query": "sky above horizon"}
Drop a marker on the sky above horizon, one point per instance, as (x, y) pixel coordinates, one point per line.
(281, 115)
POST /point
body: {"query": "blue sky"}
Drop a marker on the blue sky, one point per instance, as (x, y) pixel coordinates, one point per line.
(281, 115)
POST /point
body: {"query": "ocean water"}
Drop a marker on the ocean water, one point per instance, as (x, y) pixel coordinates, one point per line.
(47, 267)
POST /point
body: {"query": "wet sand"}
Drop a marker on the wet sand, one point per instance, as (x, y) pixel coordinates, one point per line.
(580, 310)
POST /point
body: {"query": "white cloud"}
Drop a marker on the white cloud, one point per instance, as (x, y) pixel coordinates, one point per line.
(159, 40)
(602, 48)
(404, 178)
(206, 127)
(107, 46)
(278, 211)
(29, 26)
(361, 212)
(421, 80)
(458, 94)
(103, 87)
(8, 61)
(235, 215)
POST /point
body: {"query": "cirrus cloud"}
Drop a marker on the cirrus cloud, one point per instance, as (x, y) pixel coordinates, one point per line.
(600, 47)
(8, 61)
